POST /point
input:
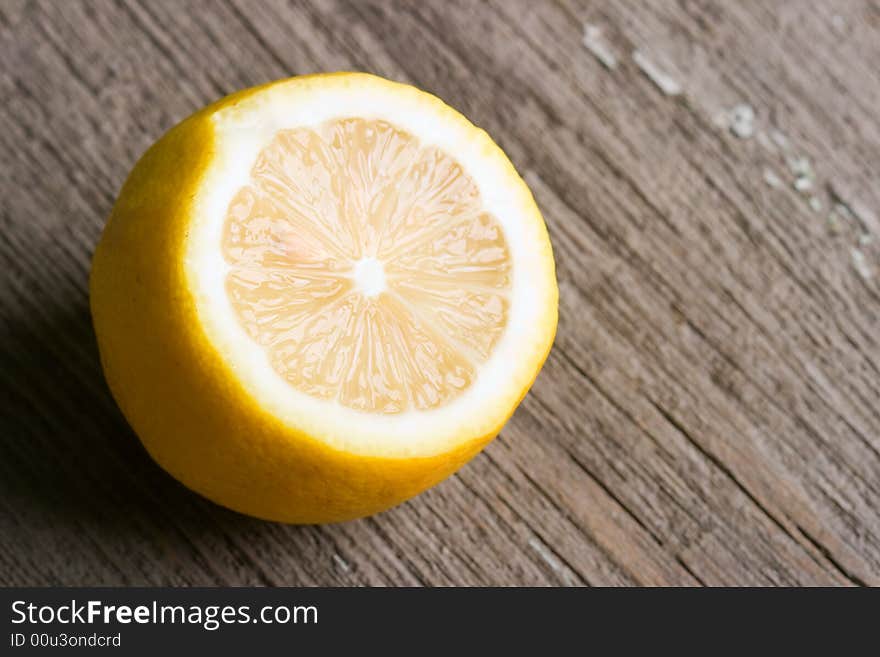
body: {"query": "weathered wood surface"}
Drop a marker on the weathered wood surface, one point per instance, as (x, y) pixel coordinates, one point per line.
(709, 414)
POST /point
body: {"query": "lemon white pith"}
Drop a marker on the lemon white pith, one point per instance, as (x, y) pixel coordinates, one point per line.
(318, 297)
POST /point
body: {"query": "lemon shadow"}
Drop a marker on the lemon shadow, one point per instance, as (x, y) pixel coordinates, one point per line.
(82, 503)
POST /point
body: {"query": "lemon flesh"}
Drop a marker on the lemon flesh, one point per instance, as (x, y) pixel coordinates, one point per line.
(316, 298)
(367, 266)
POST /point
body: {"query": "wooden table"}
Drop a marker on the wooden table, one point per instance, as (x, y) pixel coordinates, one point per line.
(710, 174)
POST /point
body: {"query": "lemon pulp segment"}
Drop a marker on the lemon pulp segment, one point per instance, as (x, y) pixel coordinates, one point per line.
(366, 266)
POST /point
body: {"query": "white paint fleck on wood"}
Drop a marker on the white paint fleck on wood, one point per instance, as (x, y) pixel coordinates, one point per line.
(545, 554)
(342, 563)
(800, 166)
(860, 262)
(771, 178)
(594, 42)
(550, 559)
(742, 121)
(803, 183)
(803, 172)
(662, 80)
(834, 225)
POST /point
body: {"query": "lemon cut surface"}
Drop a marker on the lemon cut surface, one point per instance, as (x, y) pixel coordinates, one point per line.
(366, 266)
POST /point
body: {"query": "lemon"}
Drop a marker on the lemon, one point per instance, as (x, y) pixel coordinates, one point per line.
(316, 298)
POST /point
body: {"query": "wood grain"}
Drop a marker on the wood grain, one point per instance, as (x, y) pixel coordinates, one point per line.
(709, 413)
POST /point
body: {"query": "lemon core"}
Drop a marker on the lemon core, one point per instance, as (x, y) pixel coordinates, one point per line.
(369, 275)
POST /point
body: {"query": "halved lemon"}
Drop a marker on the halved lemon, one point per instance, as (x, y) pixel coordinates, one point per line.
(316, 298)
